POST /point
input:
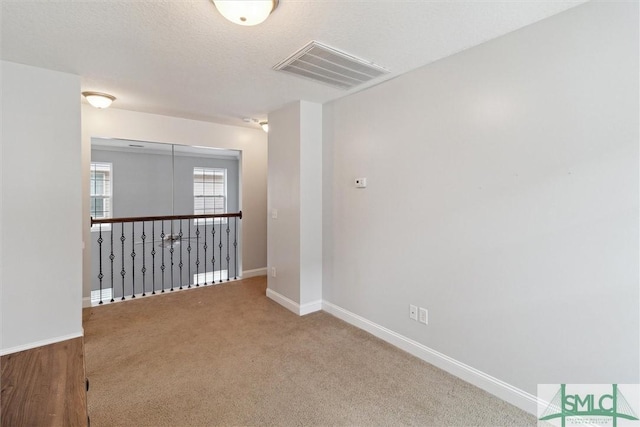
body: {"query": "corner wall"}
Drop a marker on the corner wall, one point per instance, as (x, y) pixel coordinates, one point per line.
(502, 196)
(41, 282)
(123, 124)
(295, 207)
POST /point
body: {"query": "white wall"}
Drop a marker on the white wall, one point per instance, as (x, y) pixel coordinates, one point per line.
(41, 207)
(310, 203)
(502, 196)
(115, 123)
(153, 183)
(283, 249)
(295, 191)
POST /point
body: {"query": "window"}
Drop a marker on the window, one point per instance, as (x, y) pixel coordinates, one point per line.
(101, 192)
(209, 191)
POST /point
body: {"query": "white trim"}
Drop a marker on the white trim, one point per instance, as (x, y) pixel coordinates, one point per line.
(176, 288)
(293, 306)
(159, 292)
(29, 346)
(254, 273)
(520, 398)
(283, 301)
(310, 307)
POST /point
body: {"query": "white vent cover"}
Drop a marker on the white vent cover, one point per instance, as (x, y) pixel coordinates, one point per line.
(325, 64)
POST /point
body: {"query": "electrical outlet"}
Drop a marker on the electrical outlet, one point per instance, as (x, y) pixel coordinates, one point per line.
(413, 312)
(273, 272)
(424, 316)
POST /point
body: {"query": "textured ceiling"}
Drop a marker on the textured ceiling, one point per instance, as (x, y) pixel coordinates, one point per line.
(182, 58)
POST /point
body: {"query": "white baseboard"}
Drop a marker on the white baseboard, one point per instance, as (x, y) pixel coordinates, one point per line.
(498, 388)
(284, 301)
(31, 345)
(255, 272)
(293, 306)
(86, 302)
(310, 307)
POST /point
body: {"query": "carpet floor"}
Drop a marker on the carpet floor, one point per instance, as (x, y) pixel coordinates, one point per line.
(227, 355)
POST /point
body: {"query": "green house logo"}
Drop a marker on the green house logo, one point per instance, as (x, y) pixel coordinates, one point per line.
(589, 404)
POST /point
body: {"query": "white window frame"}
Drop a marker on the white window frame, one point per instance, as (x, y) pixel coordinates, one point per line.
(201, 221)
(109, 197)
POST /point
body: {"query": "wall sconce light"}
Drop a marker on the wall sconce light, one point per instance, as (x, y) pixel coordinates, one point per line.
(99, 99)
(246, 12)
(265, 125)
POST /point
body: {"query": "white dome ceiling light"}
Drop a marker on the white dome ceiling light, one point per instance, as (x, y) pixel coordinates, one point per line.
(99, 99)
(246, 12)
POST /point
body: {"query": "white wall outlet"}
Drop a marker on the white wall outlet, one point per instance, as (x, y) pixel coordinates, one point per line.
(273, 272)
(413, 312)
(424, 316)
(361, 182)
(274, 213)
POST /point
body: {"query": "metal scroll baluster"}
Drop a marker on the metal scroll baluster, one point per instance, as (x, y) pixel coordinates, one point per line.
(111, 258)
(189, 255)
(162, 267)
(228, 257)
(171, 250)
(197, 254)
(144, 265)
(235, 246)
(133, 260)
(122, 271)
(180, 243)
(220, 246)
(100, 275)
(205, 253)
(213, 254)
(153, 258)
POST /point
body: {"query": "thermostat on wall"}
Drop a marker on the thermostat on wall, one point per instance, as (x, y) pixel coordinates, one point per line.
(361, 182)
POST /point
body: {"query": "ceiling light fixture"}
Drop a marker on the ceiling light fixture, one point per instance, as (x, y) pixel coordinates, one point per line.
(246, 12)
(265, 125)
(99, 99)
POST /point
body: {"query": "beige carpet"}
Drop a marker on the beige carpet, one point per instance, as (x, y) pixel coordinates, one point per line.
(227, 355)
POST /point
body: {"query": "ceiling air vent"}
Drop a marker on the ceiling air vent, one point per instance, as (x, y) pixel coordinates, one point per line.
(330, 66)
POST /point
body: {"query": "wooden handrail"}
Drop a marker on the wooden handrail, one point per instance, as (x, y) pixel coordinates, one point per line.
(163, 218)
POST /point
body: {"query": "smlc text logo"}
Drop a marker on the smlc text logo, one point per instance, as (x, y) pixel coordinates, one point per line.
(615, 405)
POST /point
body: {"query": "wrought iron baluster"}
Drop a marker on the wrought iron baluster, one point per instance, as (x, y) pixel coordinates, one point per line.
(122, 271)
(181, 245)
(235, 245)
(205, 252)
(176, 260)
(228, 257)
(111, 258)
(100, 275)
(171, 250)
(220, 246)
(153, 258)
(197, 253)
(162, 266)
(189, 255)
(213, 253)
(144, 265)
(133, 260)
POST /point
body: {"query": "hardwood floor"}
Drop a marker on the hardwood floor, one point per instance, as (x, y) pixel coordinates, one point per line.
(44, 386)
